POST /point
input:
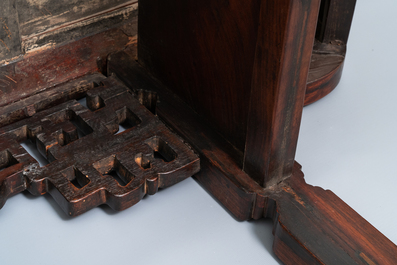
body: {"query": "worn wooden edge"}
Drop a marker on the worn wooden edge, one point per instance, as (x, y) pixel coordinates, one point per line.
(20, 171)
(305, 229)
(333, 28)
(321, 87)
(314, 226)
(10, 42)
(84, 27)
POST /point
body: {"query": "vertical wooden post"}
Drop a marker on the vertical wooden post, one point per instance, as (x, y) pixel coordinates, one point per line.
(278, 88)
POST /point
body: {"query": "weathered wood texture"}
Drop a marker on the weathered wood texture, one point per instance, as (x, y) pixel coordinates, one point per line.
(10, 41)
(54, 22)
(242, 86)
(27, 107)
(41, 70)
(324, 74)
(282, 60)
(45, 24)
(329, 51)
(89, 164)
(221, 172)
(311, 225)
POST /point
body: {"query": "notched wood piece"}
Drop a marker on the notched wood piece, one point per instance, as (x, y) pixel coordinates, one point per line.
(90, 163)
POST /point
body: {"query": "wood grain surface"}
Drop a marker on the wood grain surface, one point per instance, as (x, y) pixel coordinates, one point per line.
(10, 41)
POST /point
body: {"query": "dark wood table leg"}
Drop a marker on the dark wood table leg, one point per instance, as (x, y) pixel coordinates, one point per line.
(244, 121)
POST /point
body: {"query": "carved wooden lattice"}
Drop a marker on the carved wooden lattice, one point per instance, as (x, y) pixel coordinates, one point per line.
(89, 163)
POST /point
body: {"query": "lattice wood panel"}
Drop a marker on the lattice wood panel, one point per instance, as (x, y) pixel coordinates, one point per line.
(89, 162)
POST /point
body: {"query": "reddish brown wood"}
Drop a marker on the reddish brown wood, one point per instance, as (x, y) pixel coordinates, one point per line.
(318, 86)
(333, 29)
(282, 59)
(187, 45)
(51, 97)
(334, 21)
(10, 42)
(314, 226)
(83, 150)
(31, 25)
(264, 70)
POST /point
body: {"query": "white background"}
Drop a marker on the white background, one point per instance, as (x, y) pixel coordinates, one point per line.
(347, 144)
